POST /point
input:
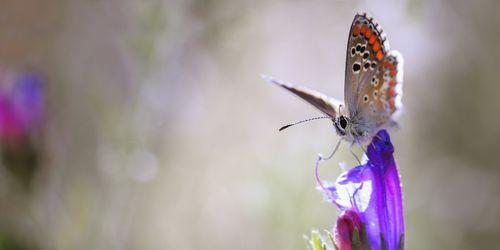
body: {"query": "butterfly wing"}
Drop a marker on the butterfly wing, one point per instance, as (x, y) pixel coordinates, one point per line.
(373, 76)
(322, 102)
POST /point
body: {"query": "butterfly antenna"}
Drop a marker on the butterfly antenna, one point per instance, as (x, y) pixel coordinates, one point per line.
(306, 120)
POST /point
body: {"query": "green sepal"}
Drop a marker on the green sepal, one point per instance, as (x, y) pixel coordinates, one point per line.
(356, 240)
(401, 244)
(315, 242)
(330, 236)
(335, 246)
(383, 244)
(364, 238)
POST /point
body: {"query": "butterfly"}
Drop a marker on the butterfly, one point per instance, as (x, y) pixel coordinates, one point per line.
(372, 88)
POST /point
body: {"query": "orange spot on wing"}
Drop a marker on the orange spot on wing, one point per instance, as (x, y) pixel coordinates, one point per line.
(368, 33)
(376, 46)
(391, 92)
(393, 73)
(363, 29)
(392, 83)
(380, 55)
(355, 30)
(372, 40)
(390, 66)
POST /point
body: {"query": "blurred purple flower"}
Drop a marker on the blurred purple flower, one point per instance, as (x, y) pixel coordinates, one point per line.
(370, 199)
(21, 105)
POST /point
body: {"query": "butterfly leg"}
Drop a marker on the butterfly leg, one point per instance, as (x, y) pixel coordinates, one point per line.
(380, 138)
(333, 152)
(352, 152)
(361, 146)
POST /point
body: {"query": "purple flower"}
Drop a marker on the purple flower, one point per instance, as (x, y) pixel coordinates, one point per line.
(21, 105)
(370, 198)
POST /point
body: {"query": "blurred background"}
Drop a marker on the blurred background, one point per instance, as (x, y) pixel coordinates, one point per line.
(155, 131)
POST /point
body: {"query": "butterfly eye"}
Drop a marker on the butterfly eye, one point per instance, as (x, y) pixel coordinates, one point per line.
(353, 51)
(374, 64)
(375, 94)
(343, 122)
(366, 55)
(358, 47)
(356, 67)
(362, 49)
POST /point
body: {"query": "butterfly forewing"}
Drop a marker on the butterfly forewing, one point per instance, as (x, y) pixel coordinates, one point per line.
(322, 102)
(365, 49)
(373, 74)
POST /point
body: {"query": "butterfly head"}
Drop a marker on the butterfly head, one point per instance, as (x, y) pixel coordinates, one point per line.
(342, 125)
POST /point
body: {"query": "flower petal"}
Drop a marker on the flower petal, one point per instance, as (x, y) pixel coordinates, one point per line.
(21, 105)
(373, 190)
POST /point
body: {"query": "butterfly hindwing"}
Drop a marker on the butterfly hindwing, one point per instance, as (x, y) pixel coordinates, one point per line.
(380, 97)
(322, 102)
